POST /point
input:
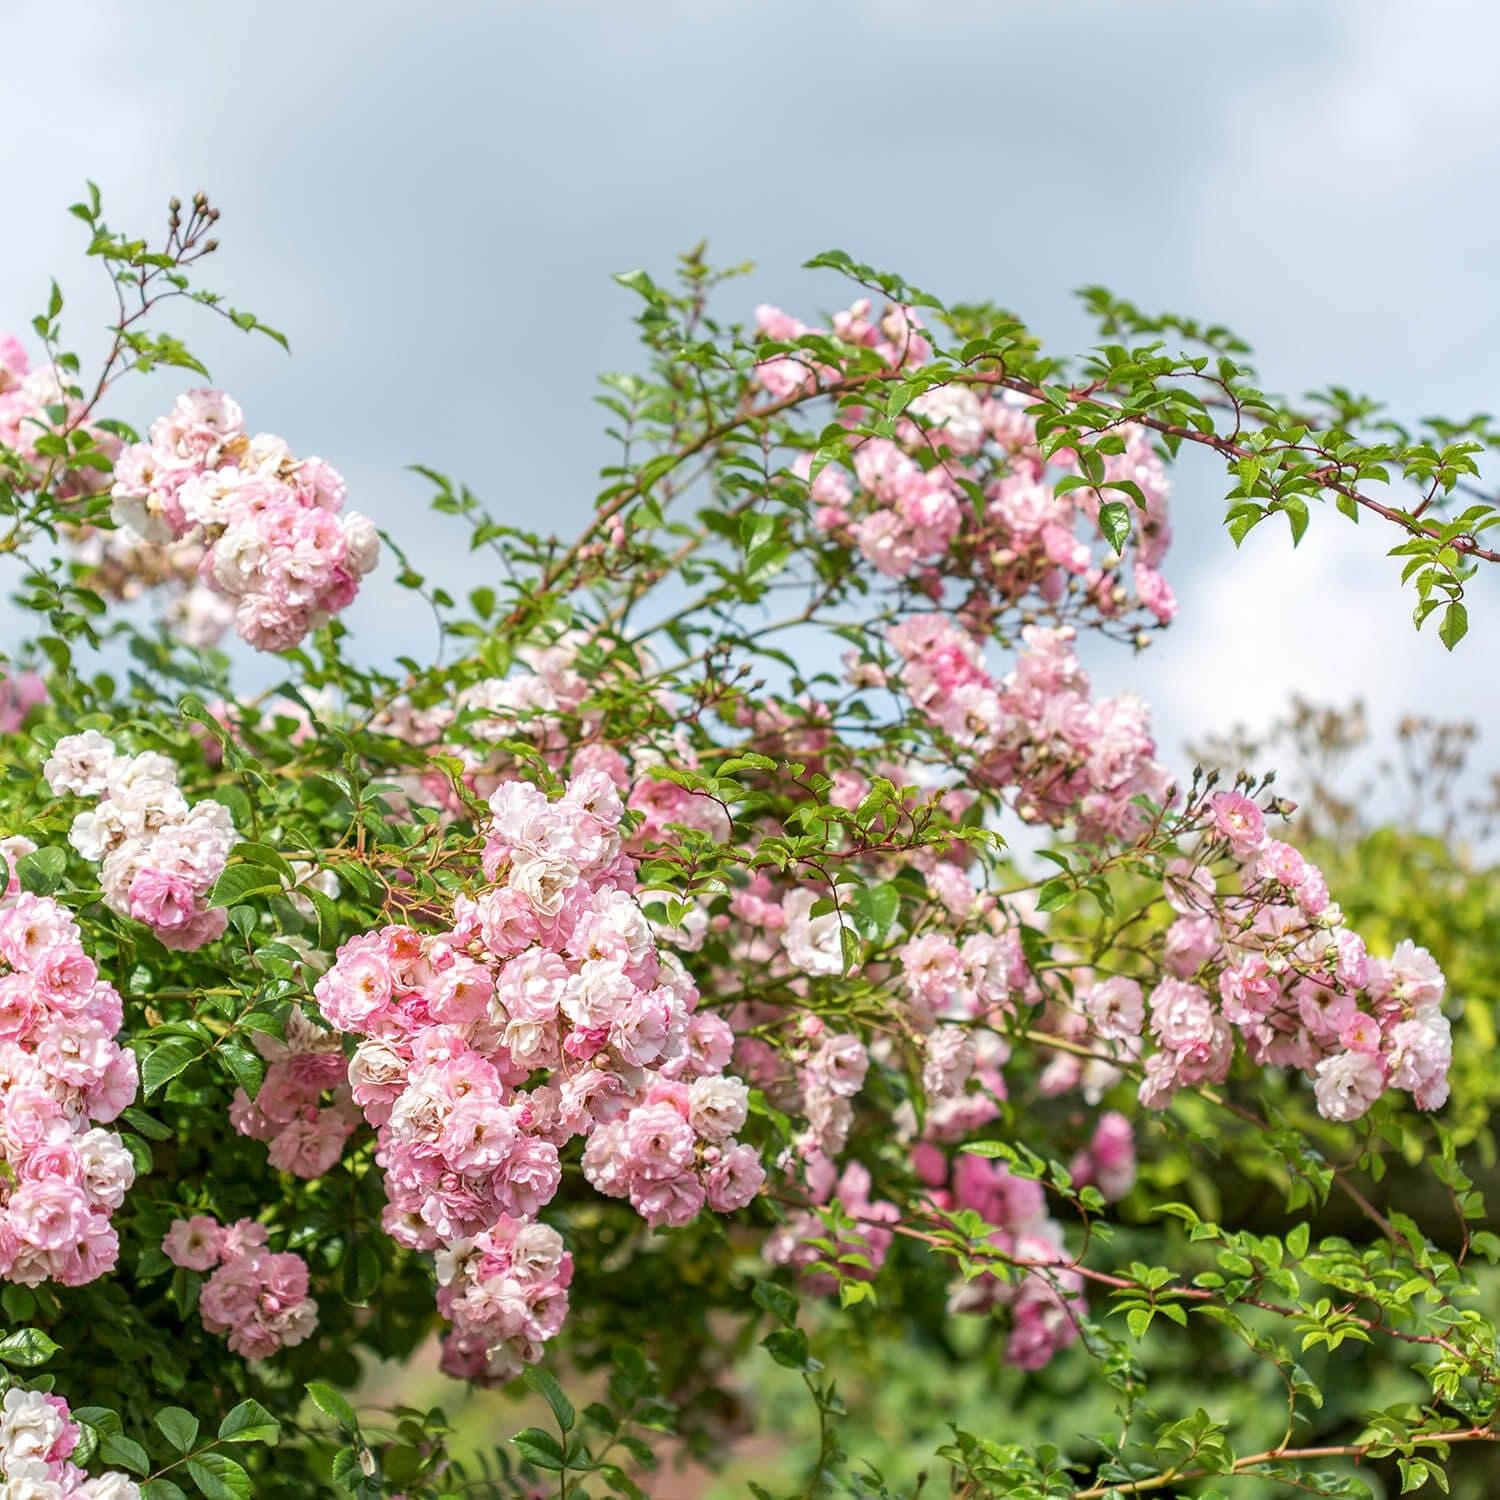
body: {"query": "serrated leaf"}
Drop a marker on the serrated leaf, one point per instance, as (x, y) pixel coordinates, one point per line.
(161, 1489)
(245, 1064)
(164, 1063)
(179, 1427)
(332, 1404)
(546, 1386)
(539, 1448)
(41, 872)
(116, 1448)
(249, 1422)
(1056, 894)
(241, 880)
(1114, 523)
(1455, 625)
(219, 1477)
(26, 1348)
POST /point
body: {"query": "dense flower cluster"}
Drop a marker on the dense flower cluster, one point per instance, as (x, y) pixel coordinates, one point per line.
(1038, 733)
(38, 403)
(158, 856)
(255, 1296)
(121, 564)
(62, 1076)
(303, 1108)
(552, 969)
(964, 491)
(1257, 950)
(505, 1291)
(1273, 962)
(38, 1437)
(274, 544)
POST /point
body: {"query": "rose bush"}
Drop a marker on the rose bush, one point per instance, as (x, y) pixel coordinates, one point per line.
(643, 987)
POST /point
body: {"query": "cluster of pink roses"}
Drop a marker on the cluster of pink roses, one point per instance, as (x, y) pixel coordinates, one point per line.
(860, 1237)
(274, 543)
(61, 1070)
(949, 987)
(505, 1291)
(1038, 733)
(913, 518)
(306, 1132)
(1274, 963)
(530, 703)
(31, 403)
(553, 969)
(1038, 1304)
(256, 1296)
(896, 340)
(38, 1437)
(158, 856)
(120, 564)
(1269, 959)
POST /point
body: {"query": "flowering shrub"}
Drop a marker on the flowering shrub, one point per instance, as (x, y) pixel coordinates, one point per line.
(643, 995)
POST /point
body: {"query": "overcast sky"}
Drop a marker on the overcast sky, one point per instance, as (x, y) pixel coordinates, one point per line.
(429, 200)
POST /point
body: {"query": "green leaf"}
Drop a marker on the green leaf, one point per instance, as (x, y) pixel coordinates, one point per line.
(249, 1422)
(776, 1300)
(349, 1469)
(219, 1477)
(19, 1302)
(788, 1347)
(179, 1427)
(41, 872)
(1056, 894)
(100, 1418)
(1114, 522)
(331, 1404)
(164, 1063)
(876, 907)
(328, 918)
(27, 1348)
(246, 1065)
(249, 853)
(118, 1449)
(240, 881)
(545, 1385)
(1454, 628)
(148, 1125)
(194, 710)
(539, 1448)
(161, 1489)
